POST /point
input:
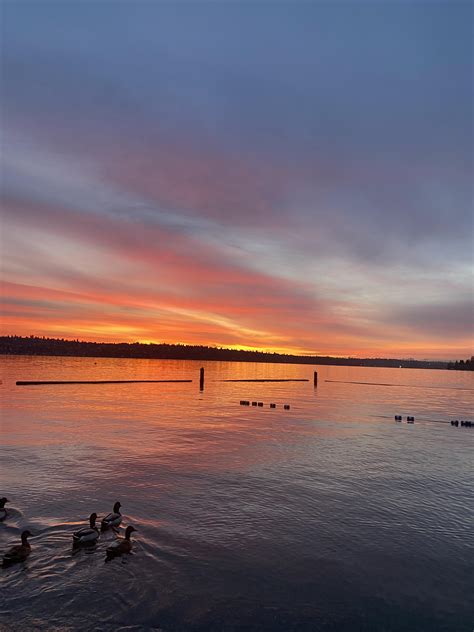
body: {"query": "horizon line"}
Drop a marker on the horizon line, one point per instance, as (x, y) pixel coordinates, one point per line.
(236, 348)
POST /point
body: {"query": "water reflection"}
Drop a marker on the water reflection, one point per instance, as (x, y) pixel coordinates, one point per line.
(326, 516)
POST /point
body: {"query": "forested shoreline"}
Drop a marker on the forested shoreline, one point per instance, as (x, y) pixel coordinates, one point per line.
(462, 365)
(42, 346)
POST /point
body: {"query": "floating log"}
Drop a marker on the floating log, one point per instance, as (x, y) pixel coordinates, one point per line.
(41, 383)
(451, 388)
(265, 380)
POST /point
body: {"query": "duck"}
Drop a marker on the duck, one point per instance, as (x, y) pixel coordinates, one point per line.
(18, 553)
(112, 519)
(3, 511)
(120, 547)
(87, 535)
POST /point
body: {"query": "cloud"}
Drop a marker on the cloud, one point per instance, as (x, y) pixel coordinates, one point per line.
(447, 320)
(166, 182)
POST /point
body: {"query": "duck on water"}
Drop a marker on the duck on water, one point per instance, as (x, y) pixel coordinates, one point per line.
(120, 547)
(113, 519)
(3, 511)
(87, 535)
(19, 552)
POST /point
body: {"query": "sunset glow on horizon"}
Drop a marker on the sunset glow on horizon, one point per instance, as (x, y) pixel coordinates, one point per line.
(229, 175)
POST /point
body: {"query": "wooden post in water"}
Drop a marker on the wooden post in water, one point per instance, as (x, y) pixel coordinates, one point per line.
(315, 379)
(201, 379)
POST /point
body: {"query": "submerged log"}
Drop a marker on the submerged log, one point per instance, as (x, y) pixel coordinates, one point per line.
(41, 383)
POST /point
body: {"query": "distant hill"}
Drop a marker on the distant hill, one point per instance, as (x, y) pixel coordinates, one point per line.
(33, 345)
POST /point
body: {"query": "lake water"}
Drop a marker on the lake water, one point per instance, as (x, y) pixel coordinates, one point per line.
(327, 516)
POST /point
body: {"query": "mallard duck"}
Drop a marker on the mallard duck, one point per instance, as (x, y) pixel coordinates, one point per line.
(87, 535)
(3, 511)
(18, 553)
(113, 519)
(119, 547)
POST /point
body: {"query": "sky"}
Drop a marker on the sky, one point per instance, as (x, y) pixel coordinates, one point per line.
(287, 176)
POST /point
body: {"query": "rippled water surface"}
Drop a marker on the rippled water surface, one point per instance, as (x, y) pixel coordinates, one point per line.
(327, 516)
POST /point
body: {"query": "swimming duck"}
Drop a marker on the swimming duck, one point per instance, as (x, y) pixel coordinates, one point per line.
(3, 511)
(18, 553)
(119, 547)
(87, 535)
(113, 519)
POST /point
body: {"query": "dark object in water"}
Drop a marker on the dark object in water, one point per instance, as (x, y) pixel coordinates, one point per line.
(201, 379)
(19, 552)
(259, 403)
(40, 383)
(112, 519)
(398, 417)
(269, 380)
(87, 535)
(119, 547)
(244, 402)
(410, 420)
(273, 405)
(286, 407)
(3, 511)
(254, 403)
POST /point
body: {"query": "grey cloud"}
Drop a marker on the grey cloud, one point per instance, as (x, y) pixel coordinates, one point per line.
(447, 320)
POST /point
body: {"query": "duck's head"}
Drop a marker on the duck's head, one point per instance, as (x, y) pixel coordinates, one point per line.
(25, 534)
(117, 507)
(3, 501)
(92, 519)
(128, 531)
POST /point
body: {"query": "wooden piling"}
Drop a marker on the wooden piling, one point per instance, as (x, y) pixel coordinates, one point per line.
(315, 379)
(201, 379)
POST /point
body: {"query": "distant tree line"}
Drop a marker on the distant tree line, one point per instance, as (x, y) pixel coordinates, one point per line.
(41, 346)
(462, 365)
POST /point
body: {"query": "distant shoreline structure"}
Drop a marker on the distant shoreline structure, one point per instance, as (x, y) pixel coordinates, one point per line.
(42, 346)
